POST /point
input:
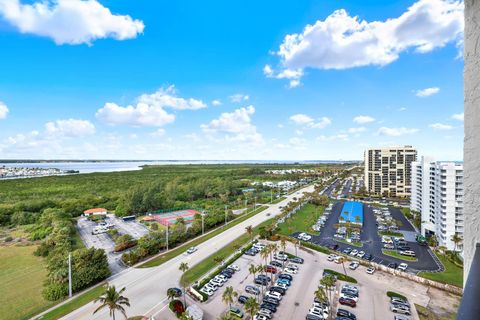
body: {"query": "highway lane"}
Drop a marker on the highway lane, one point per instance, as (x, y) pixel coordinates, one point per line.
(146, 288)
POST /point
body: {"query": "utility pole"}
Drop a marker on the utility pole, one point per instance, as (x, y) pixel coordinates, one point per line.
(226, 214)
(271, 195)
(255, 203)
(69, 275)
(203, 225)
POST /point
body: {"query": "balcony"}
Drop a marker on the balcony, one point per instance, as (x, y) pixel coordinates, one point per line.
(469, 307)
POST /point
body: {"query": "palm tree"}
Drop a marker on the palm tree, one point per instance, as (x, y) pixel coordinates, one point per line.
(251, 306)
(113, 300)
(283, 244)
(261, 268)
(457, 239)
(249, 230)
(328, 282)
(171, 294)
(265, 253)
(253, 270)
(228, 296)
(184, 267)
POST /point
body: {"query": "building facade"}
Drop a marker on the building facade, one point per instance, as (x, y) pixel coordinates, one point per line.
(388, 171)
(437, 194)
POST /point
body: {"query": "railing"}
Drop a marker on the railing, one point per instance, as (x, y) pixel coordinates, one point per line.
(470, 306)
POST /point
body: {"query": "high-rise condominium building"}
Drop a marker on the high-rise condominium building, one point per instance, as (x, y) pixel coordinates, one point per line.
(437, 193)
(388, 170)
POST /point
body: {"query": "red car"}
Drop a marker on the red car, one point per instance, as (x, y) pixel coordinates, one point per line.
(347, 302)
(270, 269)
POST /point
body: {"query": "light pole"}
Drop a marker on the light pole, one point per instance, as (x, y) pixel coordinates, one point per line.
(271, 195)
(167, 235)
(203, 225)
(226, 214)
(255, 203)
(69, 275)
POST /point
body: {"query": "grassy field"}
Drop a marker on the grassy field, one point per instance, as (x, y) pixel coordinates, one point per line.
(395, 254)
(21, 280)
(302, 221)
(426, 314)
(76, 303)
(175, 252)
(452, 274)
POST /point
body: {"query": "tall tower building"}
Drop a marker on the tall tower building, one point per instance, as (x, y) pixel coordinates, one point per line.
(388, 170)
(437, 194)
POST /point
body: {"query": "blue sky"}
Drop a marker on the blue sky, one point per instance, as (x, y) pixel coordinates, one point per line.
(283, 80)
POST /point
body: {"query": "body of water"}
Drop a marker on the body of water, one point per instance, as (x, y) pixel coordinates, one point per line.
(94, 166)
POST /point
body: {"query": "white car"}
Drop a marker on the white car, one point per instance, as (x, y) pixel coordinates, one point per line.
(217, 282)
(331, 257)
(260, 317)
(290, 271)
(307, 237)
(221, 278)
(281, 285)
(274, 295)
(209, 286)
(350, 287)
(402, 266)
(354, 252)
(361, 254)
(234, 267)
(353, 265)
(292, 266)
(191, 250)
(348, 296)
(207, 291)
(371, 270)
(318, 312)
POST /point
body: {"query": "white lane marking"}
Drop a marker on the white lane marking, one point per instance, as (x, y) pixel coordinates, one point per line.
(162, 301)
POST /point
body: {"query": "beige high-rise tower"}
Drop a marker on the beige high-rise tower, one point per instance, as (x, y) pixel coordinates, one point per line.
(388, 171)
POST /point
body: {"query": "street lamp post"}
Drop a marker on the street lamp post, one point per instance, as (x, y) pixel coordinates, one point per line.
(69, 275)
(167, 235)
(226, 214)
(203, 224)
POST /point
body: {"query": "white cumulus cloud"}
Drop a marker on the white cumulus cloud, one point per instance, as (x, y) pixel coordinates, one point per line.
(303, 119)
(357, 130)
(427, 92)
(342, 41)
(458, 116)
(216, 103)
(396, 132)
(237, 125)
(149, 109)
(363, 119)
(239, 97)
(3, 110)
(69, 21)
(69, 128)
(440, 126)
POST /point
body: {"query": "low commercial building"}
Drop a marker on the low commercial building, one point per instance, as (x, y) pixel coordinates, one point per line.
(95, 211)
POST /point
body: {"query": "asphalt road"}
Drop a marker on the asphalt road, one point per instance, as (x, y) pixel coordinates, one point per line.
(372, 242)
(146, 288)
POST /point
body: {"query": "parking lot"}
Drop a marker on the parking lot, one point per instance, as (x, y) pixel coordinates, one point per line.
(103, 241)
(372, 242)
(373, 302)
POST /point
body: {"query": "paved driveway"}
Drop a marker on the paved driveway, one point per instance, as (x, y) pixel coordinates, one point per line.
(372, 243)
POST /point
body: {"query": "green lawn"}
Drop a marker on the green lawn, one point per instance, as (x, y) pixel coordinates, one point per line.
(21, 281)
(76, 303)
(179, 250)
(353, 243)
(302, 221)
(395, 254)
(279, 200)
(452, 274)
(390, 233)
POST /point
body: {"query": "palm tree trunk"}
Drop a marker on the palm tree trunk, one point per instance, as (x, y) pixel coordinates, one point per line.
(113, 314)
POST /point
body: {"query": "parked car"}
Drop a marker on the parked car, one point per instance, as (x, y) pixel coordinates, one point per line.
(402, 266)
(209, 292)
(400, 317)
(285, 276)
(347, 302)
(270, 269)
(268, 306)
(331, 257)
(347, 250)
(242, 299)
(265, 312)
(260, 317)
(275, 264)
(311, 316)
(236, 312)
(250, 253)
(297, 260)
(252, 289)
(371, 270)
(274, 295)
(392, 265)
(290, 270)
(399, 300)
(353, 252)
(353, 265)
(361, 254)
(408, 253)
(211, 286)
(234, 267)
(283, 281)
(346, 314)
(346, 295)
(397, 308)
(278, 289)
(271, 300)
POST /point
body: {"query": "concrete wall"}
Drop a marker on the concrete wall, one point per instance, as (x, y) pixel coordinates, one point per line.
(472, 130)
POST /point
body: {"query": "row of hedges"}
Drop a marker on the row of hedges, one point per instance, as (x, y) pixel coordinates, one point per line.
(341, 276)
(391, 294)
